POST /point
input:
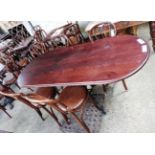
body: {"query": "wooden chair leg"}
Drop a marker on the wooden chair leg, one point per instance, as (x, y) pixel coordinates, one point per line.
(4, 110)
(124, 85)
(66, 118)
(64, 115)
(40, 114)
(52, 114)
(80, 122)
(17, 85)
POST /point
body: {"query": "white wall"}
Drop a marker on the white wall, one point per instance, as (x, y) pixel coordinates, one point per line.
(46, 25)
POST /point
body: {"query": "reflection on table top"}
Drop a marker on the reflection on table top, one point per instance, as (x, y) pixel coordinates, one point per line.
(101, 62)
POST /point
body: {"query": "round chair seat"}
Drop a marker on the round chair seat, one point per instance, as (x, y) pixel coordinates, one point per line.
(48, 92)
(41, 95)
(9, 79)
(72, 97)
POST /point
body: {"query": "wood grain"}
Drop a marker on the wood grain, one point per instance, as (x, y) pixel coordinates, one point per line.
(101, 62)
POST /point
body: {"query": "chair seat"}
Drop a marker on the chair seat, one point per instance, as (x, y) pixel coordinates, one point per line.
(72, 97)
(9, 79)
(41, 95)
(23, 62)
(48, 92)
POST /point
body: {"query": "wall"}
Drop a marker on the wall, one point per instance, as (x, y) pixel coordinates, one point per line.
(46, 25)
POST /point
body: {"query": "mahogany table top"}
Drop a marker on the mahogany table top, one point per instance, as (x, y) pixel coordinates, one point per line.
(100, 62)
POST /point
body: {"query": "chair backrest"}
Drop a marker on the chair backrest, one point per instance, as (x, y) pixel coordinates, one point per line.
(39, 34)
(39, 40)
(73, 33)
(59, 41)
(36, 49)
(56, 38)
(102, 30)
(11, 66)
(8, 92)
(38, 99)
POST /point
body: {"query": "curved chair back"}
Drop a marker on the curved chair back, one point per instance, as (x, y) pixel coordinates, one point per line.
(102, 30)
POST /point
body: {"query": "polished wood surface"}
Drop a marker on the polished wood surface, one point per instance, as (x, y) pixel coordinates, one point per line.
(100, 62)
(72, 97)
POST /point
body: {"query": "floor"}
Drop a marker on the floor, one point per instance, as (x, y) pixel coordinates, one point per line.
(126, 111)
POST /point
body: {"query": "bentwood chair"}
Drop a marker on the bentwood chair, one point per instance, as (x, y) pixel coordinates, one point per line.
(40, 98)
(8, 92)
(9, 79)
(71, 100)
(102, 30)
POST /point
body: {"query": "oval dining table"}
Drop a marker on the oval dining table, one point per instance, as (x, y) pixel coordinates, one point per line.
(103, 61)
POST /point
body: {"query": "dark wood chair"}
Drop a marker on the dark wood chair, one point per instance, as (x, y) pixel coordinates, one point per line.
(5, 111)
(102, 30)
(39, 34)
(9, 79)
(58, 41)
(74, 35)
(36, 49)
(41, 97)
(67, 35)
(71, 100)
(39, 46)
(9, 75)
(57, 31)
(13, 60)
(8, 92)
(21, 40)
